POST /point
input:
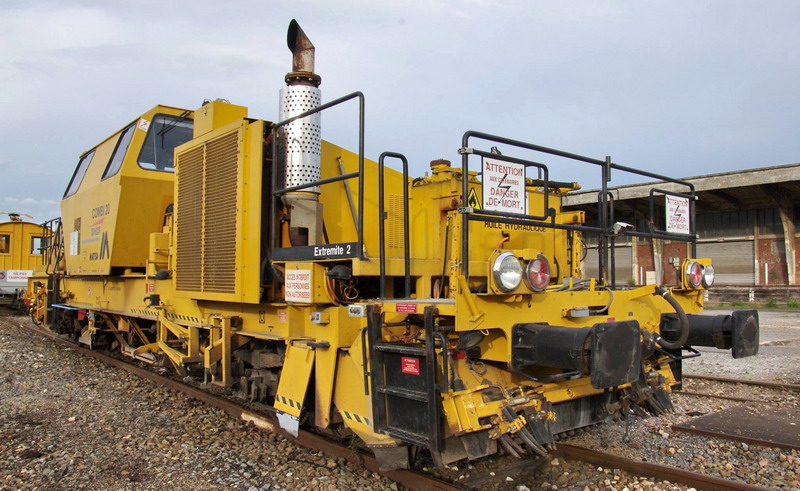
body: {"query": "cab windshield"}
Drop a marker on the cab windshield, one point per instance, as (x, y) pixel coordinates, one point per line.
(164, 134)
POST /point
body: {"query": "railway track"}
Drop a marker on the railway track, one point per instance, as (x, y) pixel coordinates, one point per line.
(724, 398)
(409, 479)
(759, 383)
(406, 478)
(657, 471)
(752, 383)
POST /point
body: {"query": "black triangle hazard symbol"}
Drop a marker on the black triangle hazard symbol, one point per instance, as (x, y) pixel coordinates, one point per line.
(472, 199)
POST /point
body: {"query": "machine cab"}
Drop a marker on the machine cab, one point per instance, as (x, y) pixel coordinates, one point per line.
(119, 193)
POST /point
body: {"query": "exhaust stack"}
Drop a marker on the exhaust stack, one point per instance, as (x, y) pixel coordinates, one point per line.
(299, 144)
(302, 51)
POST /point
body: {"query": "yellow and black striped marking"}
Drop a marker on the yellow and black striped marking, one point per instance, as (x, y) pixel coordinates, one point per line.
(356, 417)
(289, 402)
(151, 313)
(184, 318)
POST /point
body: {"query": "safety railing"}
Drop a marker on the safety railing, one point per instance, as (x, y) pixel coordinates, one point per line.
(52, 248)
(382, 224)
(276, 193)
(604, 228)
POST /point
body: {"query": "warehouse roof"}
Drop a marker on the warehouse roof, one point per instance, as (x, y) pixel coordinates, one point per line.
(751, 188)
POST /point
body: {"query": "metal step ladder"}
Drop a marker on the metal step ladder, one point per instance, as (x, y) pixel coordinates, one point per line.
(405, 394)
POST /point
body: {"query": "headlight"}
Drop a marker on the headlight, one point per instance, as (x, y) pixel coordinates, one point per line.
(537, 273)
(708, 276)
(694, 274)
(507, 272)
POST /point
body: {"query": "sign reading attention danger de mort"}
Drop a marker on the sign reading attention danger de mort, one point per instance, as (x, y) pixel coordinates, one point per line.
(503, 186)
(677, 215)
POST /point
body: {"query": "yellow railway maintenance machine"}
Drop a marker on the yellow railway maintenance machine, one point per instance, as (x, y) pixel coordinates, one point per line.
(446, 312)
(21, 246)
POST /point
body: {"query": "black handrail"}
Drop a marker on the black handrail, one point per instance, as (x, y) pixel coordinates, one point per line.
(435, 429)
(53, 244)
(602, 251)
(604, 217)
(382, 223)
(276, 193)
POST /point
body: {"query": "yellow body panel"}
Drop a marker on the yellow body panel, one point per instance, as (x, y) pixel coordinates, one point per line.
(292, 390)
(18, 244)
(20, 255)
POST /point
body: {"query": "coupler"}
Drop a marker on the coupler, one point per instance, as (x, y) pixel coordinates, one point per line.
(737, 332)
(610, 352)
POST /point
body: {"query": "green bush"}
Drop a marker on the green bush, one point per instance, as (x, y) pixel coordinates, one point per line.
(771, 304)
(792, 303)
(738, 304)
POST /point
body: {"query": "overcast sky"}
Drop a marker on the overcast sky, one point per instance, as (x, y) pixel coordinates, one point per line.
(680, 87)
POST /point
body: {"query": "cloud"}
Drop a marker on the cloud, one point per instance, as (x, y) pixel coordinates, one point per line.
(30, 202)
(669, 87)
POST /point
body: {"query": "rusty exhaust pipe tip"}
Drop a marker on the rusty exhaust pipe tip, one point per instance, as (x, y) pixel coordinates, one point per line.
(302, 57)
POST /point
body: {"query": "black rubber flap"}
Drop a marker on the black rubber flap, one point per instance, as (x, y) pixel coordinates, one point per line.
(615, 354)
(745, 333)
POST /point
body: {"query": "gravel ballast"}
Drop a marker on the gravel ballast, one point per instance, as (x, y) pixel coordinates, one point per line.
(67, 421)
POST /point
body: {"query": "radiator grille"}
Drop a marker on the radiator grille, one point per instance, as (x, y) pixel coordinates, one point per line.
(206, 220)
(219, 227)
(189, 174)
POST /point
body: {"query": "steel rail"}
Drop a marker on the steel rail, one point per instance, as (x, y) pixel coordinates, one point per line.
(726, 398)
(739, 438)
(408, 478)
(773, 385)
(657, 471)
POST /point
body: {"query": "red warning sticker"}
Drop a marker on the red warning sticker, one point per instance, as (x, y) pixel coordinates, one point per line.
(409, 365)
(406, 308)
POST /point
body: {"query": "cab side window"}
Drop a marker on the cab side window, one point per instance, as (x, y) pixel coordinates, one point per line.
(80, 171)
(115, 162)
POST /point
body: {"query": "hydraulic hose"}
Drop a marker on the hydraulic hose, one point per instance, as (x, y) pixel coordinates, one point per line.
(684, 322)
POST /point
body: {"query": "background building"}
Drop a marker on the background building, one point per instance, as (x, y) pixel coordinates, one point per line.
(747, 222)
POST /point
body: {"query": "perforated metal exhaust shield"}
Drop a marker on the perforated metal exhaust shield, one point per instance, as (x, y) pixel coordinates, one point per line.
(299, 145)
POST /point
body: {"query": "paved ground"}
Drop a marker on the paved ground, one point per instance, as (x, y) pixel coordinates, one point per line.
(778, 359)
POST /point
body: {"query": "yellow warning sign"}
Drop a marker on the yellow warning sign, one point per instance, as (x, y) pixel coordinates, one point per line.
(472, 199)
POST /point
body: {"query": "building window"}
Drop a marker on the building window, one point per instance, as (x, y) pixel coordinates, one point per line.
(725, 224)
(80, 171)
(5, 243)
(769, 221)
(165, 133)
(36, 245)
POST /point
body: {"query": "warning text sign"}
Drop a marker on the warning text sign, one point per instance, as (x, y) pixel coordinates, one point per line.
(17, 275)
(677, 215)
(503, 186)
(409, 365)
(297, 287)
